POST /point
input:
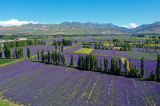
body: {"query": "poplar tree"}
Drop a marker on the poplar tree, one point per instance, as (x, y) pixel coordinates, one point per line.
(63, 59)
(56, 46)
(42, 55)
(38, 55)
(72, 61)
(112, 65)
(56, 56)
(152, 76)
(59, 58)
(100, 65)
(20, 51)
(104, 64)
(92, 59)
(120, 66)
(87, 61)
(28, 53)
(142, 67)
(62, 47)
(16, 53)
(107, 64)
(48, 56)
(53, 57)
(125, 66)
(158, 67)
(117, 68)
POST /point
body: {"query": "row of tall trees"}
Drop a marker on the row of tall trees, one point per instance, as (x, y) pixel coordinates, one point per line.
(64, 42)
(60, 47)
(21, 43)
(18, 53)
(54, 57)
(90, 62)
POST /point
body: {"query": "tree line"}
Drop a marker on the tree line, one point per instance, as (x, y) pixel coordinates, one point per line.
(64, 42)
(91, 62)
(21, 43)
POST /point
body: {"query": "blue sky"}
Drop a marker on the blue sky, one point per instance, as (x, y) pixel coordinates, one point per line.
(118, 12)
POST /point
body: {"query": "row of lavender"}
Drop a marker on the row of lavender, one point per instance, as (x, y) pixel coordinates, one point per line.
(41, 84)
(125, 54)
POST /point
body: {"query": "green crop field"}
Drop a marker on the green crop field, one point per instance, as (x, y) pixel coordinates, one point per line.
(2, 61)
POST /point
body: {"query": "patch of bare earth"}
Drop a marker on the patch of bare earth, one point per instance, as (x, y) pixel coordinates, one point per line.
(127, 63)
(117, 48)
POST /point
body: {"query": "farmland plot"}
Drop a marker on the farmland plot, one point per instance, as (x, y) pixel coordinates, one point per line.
(40, 84)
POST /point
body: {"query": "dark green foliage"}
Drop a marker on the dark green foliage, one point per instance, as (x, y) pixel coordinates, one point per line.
(45, 57)
(152, 76)
(28, 53)
(7, 51)
(59, 58)
(53, 57)
(87, 59)
(48, 56)
(120, 66)
(0, 50)
(158, 68)
(42, 55)
(16, 53)
(72, 61)
(21, 43)
(125, 66)
(63, 59)
(79, 63)
(106, 65)
(96, 46)
(56, 46)
(0, 53)
(112, 65)
(134, 71)
(38, 55)
(96, 64)
(56, 56)
(64, 42)
(20, 52)
(62, 47)
(100, 68)
(142, 67)
(86, 46)
(59, 48)
(117, 68)
(92, 59)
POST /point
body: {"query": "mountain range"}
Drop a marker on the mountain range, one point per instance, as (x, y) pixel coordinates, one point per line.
(77, 28)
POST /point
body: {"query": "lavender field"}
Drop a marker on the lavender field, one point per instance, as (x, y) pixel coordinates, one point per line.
(41, 84)
(127, 54)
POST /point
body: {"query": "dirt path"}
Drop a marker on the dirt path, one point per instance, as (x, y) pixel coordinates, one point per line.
(127, 62)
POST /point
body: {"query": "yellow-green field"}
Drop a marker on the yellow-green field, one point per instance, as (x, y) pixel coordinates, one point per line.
(84, 51)
(107, 44)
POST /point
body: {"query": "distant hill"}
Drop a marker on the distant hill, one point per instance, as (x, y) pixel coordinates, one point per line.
(71, 28)
(147, 29)
(63, 28)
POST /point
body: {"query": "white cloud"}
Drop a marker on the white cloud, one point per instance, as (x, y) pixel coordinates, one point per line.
(131, 26)
(15, 22)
